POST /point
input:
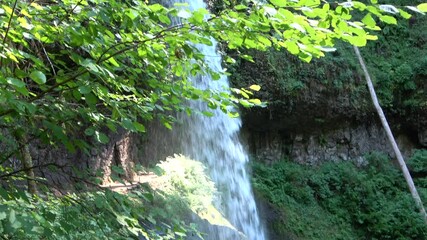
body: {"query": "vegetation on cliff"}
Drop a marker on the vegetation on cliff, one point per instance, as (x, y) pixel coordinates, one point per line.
(332, 87)
(342, 200)
(74, 70)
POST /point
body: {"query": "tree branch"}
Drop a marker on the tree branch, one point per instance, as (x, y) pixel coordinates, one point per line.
(7, 29)
(7, 175)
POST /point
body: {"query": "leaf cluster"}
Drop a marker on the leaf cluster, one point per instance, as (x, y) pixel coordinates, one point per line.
(102, 214)
(96, 65)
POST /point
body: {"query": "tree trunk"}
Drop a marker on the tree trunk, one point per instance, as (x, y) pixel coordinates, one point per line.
(27, 163)
(391, 138)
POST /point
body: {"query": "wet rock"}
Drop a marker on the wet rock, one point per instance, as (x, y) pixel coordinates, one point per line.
(343, 143)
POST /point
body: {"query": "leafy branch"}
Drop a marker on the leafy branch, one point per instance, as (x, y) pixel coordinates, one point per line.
(7, 30)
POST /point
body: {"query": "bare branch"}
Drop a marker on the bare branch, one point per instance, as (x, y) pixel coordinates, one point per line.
(391, 138)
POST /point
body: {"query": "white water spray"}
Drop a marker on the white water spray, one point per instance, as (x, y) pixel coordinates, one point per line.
(215, 141)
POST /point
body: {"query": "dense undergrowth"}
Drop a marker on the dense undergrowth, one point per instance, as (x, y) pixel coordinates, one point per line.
(341, 200)
(165, 210)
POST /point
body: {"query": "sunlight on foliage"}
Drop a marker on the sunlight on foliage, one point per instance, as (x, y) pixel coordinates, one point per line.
(185, 179)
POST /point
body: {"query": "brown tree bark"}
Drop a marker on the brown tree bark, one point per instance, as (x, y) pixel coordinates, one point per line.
(391, 138)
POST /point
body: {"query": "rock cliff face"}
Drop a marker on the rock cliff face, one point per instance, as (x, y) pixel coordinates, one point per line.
(67, 169)
(322, 111)
(323, 125)
(342, 143)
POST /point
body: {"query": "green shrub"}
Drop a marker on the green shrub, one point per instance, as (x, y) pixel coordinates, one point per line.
(160, 213)
(341, 200)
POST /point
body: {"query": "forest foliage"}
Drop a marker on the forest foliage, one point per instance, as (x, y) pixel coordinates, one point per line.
(101, 213)
(342, 200)
(396, 62)
(74, 70)
(86, 66)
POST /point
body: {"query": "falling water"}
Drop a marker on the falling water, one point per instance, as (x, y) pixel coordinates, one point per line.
(215, 142)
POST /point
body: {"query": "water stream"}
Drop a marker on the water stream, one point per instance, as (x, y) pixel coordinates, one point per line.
(215, 141)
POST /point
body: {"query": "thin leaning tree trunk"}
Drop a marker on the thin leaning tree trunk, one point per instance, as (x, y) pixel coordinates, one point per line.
(391, 138)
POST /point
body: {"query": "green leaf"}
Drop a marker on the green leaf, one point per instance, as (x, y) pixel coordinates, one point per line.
(255, 87)
(208, 114)
(90, 131)
(255, 101)
(85, 89)
(388, 19)
(15, 82)
(24, 23)
(247, 57)
(414, 9)
(165, 19)
(132, 14)
(422, 7)
(37, 229)
(404, 14)
(117, 170)
(158, 170)
(245, 103)
(113, 61)
(101, 137)
(139, 127)
(91, 99)
(38, 77)
(279, 3)
(156, 7)
(244, 94)
(126, 123)
(369, 21)
(12, 219)
(167, 125)
(292, 47)
(2, 215)
(233, 114)
(240, 7)
(90, 65)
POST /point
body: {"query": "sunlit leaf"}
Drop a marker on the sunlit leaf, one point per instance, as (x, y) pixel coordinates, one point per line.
(414, 9)
(389, 8)
(388, 19)
(184, 14)
(422, 7)
(255, 101)
(369, 20)
(279, 3)
(255, 87)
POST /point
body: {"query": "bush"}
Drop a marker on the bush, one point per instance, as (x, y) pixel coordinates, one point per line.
(141, 213)
(344, 201)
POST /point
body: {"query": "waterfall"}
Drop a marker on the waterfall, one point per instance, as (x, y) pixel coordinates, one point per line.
(215, 142)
